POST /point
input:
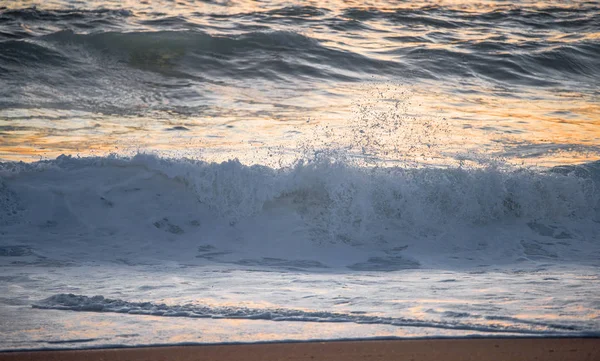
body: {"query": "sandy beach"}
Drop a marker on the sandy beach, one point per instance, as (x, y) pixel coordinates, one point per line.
(442, 349)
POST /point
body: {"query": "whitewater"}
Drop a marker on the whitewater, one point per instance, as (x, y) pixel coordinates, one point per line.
(236, 172)
(400, 252)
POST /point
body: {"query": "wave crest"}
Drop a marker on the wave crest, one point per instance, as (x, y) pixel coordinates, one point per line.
(345, 196)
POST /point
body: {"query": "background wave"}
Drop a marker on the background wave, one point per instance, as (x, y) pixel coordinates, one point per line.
(87, 58)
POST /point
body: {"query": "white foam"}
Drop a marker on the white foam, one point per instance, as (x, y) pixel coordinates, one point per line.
(320, 211)
(101, 304)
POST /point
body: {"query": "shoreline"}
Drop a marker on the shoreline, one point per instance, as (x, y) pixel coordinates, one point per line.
(407, 349)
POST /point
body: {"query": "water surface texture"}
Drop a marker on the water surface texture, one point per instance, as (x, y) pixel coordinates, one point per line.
(245, 171)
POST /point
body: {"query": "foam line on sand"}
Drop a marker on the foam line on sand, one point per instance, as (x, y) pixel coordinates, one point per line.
(548, 349)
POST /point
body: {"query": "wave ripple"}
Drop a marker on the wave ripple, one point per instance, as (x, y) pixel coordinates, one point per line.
(82, 303)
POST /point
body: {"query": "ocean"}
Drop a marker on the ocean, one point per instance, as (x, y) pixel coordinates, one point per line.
(201, 172)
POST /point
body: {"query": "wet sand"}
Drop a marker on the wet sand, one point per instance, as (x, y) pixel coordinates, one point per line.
(417, 350)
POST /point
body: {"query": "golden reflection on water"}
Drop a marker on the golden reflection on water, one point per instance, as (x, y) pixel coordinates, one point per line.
(143, 329)
(236, 6)
(539, 129)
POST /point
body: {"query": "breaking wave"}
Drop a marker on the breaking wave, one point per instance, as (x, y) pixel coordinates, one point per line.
(332, 201)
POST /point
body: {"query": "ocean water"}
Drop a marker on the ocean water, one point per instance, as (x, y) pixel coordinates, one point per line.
(188, 172)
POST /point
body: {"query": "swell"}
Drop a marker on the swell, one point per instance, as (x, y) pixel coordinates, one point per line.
(82, 303)
(532, 63)
(129, 73)
(582, 17)
(266, 55)
(578, 16)
(60, 14)
(33, 22)
(535, 48)
(84, 62)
